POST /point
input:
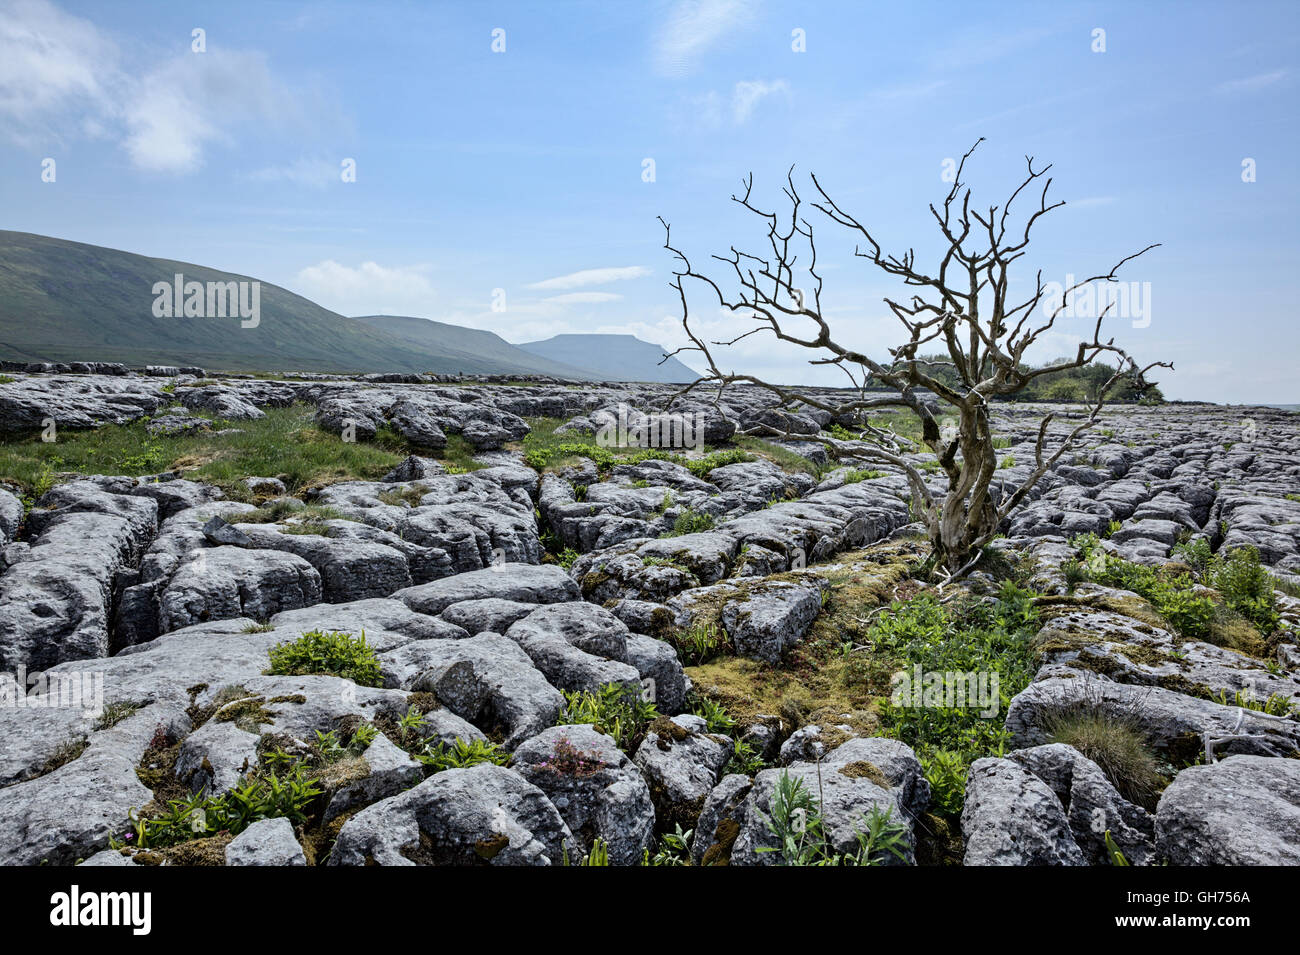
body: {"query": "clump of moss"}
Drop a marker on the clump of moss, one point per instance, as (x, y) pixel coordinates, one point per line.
(865, 769)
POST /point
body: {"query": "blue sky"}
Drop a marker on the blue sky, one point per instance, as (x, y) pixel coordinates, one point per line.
(522, 170)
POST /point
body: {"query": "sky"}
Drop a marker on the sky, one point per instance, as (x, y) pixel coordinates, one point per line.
(511, 159)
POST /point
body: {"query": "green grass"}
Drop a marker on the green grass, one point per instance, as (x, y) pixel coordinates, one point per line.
(544, 449)
(783, 457)
(286, 443)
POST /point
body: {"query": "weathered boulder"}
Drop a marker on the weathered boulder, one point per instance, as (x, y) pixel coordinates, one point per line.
(266, 842)
(224, 582)
(596, 788)
(525, 583)
(1243, 810)
(1012, 817)
(484, 815)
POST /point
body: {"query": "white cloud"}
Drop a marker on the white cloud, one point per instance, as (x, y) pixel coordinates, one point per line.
(368, 289)
(592, 277)
(748, 93)
(691, 27)
(583, 298)
(195, 99)
(50, 63)
(313, 173)
(63, 76)
(1249, 84)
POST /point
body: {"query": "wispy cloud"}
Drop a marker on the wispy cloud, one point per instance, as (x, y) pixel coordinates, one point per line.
(52, 67)
(314, 173)
(691, 27)
(592, 277)
(583, 298)
(1249, 84)
(1089, 201)
(749, 93)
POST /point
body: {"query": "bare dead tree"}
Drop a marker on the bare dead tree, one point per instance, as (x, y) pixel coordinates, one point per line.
(964, 309)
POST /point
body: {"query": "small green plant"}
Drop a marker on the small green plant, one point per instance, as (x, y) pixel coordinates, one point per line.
(714, 714)
(332, 653)
(114, 713)
(690, 522)
(1116, 856)
(858, 475)
(1008, 462)
(599, 854)
(744, 759)
(797, 824)
(1246, 586)
(674, 848)
(698, 644)
(461, 754)
(263, 795)
(1274, 705)
(257, 628)
(618, 710)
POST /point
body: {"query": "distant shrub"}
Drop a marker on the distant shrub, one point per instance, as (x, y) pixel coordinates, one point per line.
(1246, 587)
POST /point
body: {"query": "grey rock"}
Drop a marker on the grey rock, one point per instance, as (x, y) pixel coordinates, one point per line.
(485, 815)
(1092, 803)
(266, 842)
(224, 582)
(215, 757)
(525, 583)
(681, 766)
(1012, 817)
(596, 788)
(389, 771)
(486, 679)
(1244, 810)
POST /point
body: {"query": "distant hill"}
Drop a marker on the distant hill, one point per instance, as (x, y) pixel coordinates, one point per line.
(472, 345)
(613, 357)
(69, 301)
